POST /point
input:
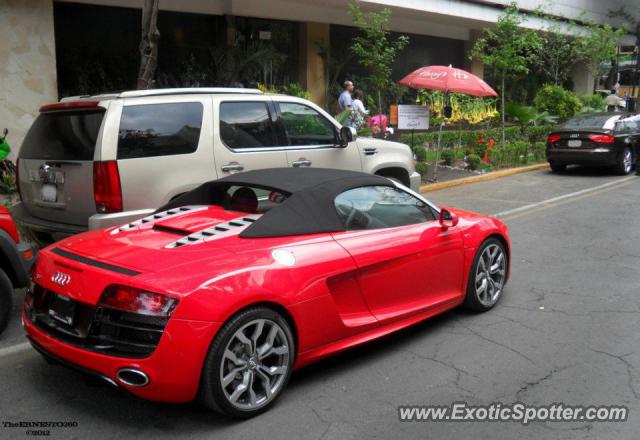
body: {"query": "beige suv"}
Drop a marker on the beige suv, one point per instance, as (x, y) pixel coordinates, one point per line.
(97, 161)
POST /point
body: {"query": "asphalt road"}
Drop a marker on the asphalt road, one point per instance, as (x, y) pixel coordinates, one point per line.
(566, 331)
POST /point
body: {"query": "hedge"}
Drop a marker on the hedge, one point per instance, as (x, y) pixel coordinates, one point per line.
(466, 138)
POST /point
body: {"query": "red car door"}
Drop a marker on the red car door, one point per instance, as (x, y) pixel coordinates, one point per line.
(403, 269)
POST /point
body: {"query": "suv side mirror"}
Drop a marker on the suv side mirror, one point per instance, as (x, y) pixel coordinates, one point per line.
(448, 219)
(347, 134)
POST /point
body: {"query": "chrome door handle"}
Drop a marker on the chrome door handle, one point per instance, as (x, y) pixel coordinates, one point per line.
(232, 166)
(301, 163)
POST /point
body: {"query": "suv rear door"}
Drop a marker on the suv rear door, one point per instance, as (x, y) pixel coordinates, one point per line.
(56, 162)
(246, 138)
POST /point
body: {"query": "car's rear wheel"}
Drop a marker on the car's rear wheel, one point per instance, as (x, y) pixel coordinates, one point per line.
(625, 161)
(557, 167)
(6, 300)
(488, 276)
(249, 363)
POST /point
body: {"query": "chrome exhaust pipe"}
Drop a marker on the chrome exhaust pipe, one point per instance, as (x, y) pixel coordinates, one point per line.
(132, 377)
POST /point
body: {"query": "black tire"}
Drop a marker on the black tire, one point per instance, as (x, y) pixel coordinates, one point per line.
(211, 393)
(625, 162)
(557, 167)
(6, 300)
(472, 300)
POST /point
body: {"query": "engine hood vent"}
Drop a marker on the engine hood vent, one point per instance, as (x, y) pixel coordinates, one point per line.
(214, 231)
(170, 213)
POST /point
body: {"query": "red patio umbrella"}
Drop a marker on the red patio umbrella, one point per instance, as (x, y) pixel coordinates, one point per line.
(448, 79)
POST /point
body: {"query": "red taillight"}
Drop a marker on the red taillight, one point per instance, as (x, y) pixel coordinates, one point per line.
(106, 187)
(553, 138)
(18, 178)
(130, 299)
(602, 138)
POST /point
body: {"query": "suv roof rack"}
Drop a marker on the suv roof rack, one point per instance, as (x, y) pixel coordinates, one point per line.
(190, 90)
(161, 92)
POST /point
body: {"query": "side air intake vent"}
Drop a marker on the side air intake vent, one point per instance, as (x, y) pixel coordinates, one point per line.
(206, 234)
(158, 216)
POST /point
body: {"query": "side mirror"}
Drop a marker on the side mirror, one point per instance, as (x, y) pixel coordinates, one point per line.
(347, 134)
(448, 219)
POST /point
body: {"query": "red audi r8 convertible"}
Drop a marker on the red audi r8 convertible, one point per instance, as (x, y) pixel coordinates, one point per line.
(223, 292)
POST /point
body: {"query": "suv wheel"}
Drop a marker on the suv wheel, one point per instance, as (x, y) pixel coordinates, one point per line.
(6, 300)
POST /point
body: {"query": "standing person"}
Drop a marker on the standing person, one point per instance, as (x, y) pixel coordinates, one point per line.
(358, 112)
(613, 101)
(344, 101)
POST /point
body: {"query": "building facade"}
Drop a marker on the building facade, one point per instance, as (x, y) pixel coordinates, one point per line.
(55, 48)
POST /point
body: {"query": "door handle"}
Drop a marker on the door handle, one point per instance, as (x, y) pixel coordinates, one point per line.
(232, 166)
(301, 163)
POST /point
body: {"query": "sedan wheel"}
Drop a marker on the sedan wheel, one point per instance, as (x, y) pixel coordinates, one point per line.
(488, 276)
(249, 363)
(625, 163)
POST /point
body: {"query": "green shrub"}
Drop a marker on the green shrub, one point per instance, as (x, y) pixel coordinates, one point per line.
(480, 148)
(448, 156)
(422, 168)
(592, 102)
(420, 154)
(538, 133)
(557, 101)
(539, 150)
(295, 89)
(473, 161)
(468, 138)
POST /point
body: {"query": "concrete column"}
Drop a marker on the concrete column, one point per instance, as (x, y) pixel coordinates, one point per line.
(311, 69)
(474, 66)
(583, 80)
(27, 65)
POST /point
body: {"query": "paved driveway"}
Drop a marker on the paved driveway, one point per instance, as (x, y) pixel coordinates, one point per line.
(565, 331)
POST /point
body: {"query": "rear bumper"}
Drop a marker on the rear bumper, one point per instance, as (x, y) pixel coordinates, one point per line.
(605, 156)
(35, 227)
(173, 369)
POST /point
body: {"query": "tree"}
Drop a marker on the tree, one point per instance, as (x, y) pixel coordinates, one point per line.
(374, 49)
(148, 45)
(508, 49)
(557, 46)
(598, 45)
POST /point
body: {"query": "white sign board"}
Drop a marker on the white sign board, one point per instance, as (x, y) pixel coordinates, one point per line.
(413, 117)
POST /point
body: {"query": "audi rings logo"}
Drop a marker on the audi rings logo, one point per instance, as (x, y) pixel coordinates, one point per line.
(61, 278)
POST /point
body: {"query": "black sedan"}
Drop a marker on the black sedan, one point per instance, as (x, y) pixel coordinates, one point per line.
(600, 139)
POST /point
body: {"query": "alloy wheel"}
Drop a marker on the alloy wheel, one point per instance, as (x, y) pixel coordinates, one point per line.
(490, 275)
(255, 364)
(627, 160)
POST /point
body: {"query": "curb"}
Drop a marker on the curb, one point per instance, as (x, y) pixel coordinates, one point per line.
(482, 177)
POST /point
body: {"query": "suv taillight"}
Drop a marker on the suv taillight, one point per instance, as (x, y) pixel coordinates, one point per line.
(106, 187)
(130, 299)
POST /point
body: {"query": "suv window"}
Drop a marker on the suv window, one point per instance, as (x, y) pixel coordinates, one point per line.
(246, 125)
(304, 126)
(63, 135)
(376, 207)
(159, 129)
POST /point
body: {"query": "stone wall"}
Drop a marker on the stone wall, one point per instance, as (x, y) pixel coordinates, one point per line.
(27, 65)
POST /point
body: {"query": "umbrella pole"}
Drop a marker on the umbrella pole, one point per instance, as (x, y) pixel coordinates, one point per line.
(435, 165)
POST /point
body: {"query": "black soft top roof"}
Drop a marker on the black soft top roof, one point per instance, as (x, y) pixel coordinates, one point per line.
(309, 208)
